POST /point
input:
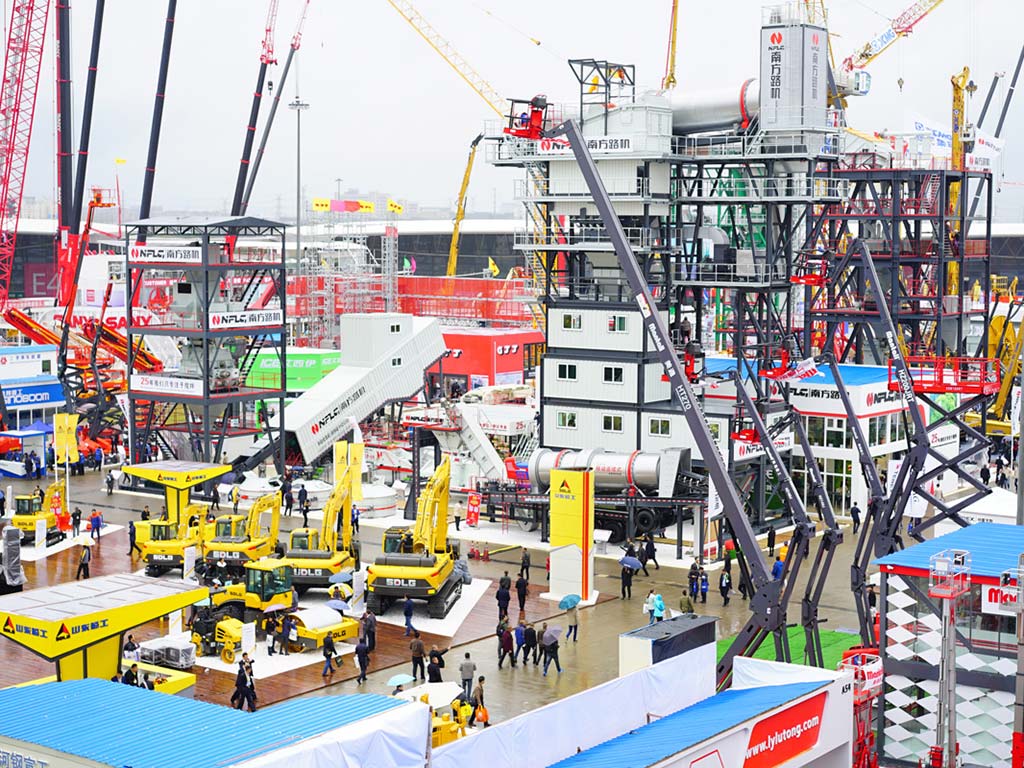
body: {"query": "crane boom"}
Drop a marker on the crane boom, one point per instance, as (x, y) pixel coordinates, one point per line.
(266, 59)
(668, 82)
(25, 41)
(296, 43)
(455, 60)
(899, 28)
(460, 210)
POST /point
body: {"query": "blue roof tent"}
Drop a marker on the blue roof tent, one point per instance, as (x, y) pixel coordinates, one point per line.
(853, 375)
(144, 729)
(994, 549)
(688, 727)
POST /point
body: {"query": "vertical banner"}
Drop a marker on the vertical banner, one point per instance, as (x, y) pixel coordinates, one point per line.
(188, 568)
(40, 542)
(340, 459)
(473, 509)
(1015, 412)
(355, 457)
(65, 440)
(572, 529)
(174, 623)
(249, 637)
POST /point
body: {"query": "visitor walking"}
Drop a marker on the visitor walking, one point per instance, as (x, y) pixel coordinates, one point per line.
(522, 590)
(329, 653)
(110, 483)
(407, 612)
(703, 586)
(573, 618)
(648, 606)
(627, 582)
(466, 671)
(84, 558)
(724, 582)
(416, 647)
(504, 598)
(95, 523)
(76, 521)
(479, 709)
(369, 622)
(132, 545)
(530, 644)
(362, 659)
(771, 542)
(855, 514)
(651, 551)
(524, 564)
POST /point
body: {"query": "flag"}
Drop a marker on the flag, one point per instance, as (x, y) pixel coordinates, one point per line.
(366, 206)
(802, 370)
(65, 439)
(493, 267)
(396, 208)
(321, 204)
(119, 161)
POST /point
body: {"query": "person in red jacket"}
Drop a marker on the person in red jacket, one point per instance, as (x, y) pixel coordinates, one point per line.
(506, 647)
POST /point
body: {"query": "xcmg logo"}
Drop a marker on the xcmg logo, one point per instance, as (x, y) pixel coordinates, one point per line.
(776, 38)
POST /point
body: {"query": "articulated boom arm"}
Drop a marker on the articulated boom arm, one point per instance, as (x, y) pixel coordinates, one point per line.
(432, 514)
(803, 534)
(766, 599)
(272, 502)
(460, 209)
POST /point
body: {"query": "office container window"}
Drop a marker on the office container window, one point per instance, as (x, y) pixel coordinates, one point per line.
(612, 424)
(613, 374)
(566, 372)
(616, 323)
(566, 419)
(572, 322)
(662, 427)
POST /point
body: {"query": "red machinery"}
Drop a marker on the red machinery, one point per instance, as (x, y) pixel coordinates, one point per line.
(867, 685)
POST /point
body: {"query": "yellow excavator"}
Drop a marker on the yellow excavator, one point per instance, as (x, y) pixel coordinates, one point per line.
(168, 539)
(419, 562)
(460, 210)
(314, 554)
(28, 508)
(241, 539)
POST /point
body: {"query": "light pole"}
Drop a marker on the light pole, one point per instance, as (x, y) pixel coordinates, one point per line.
(338, 182)
(299, 106)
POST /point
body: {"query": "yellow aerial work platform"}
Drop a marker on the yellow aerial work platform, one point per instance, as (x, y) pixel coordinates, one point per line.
(81, 625)
(178, 478)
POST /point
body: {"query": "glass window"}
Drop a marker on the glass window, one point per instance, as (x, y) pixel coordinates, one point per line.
(835, 432)
(46, 366)
(566, 372)
(616, 323)
(872, 431)
(572, 322)
(396, 328)
(661, 427)
(883, 430)
(612, 424)
(396, 362)
(613, 374)
(566, 419)
(816, 430)
(894, 428)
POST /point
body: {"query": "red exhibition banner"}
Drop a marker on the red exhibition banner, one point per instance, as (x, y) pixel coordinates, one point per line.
(473, 508)
(786, 734)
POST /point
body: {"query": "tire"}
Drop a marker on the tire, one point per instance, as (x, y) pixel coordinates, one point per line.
(617, 527)
(646, 521)
(374, 603)
(231, 610)
(227, 653)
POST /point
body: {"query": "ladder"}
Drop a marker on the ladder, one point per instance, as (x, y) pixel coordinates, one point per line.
(930, 193)
(526, 448)
(249, 360)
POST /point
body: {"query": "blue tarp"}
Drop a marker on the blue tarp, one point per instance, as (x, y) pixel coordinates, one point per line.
(994, 549)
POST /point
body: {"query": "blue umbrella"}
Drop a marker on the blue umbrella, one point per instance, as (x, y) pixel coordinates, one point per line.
(569, 601)
(341, 577)
(401, 679)
(338, 605)
(631, 562)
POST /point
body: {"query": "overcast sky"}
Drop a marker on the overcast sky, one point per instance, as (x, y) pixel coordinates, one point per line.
(388, 114)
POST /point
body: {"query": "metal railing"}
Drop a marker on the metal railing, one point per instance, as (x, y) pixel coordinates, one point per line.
(592, 237)
(751, 272)
(812, 143)
(542, 187)
(757, 188)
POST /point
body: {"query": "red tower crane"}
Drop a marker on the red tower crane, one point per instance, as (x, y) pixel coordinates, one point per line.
(27, 35)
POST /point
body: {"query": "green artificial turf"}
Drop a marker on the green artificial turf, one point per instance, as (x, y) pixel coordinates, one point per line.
(833, 644)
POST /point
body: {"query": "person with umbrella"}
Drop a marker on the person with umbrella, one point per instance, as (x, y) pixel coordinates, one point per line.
(329, 653)
(551, 648)
(573, 618)
(400, 680)
(522, 590)
(270, 627)
(627, 582)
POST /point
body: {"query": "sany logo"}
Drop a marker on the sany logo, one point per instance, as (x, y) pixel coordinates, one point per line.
(776, 38)
(564, 487)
